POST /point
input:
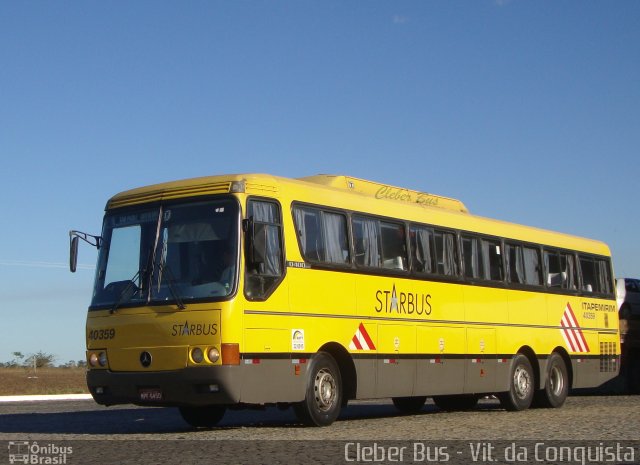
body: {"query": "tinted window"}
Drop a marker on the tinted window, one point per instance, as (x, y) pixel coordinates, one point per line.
(472, 256)
(446, 255)
(595, 275)
(322, 235)
(379, 244)
(422, 249)
(560, 269)
(523, 264)
(492, 260)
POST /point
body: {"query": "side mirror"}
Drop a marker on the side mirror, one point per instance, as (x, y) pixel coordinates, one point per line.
(73, 254)
(74, 236)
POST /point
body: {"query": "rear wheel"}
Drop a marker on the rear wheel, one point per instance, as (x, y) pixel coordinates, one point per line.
(556, 388)
(456, 403)
(206, 416)
(323, 398)
(409, 404)
(521, 385)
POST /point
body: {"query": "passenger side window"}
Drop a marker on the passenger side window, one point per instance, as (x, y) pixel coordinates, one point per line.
(379, 244)
(366, 238)
(394, 255)
(560, 270)
(322, 235)
(492, 260)
(532, 267)
(595, 275)
(472, 255)
(446, 256)
(523, 264)
(422, 245)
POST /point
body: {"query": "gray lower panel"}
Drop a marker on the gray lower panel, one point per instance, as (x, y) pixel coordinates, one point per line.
(273, 380)
(396, 377)
(589, 372)
(439, 376)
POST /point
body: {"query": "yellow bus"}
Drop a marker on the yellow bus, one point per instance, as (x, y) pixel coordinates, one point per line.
(231, 291)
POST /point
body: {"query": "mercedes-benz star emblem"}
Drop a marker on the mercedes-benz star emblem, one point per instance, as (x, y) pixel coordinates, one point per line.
(145, 359)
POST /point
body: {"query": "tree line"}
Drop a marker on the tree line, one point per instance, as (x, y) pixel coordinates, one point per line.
(39, 359)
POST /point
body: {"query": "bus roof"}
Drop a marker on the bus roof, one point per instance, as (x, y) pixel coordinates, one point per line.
(385, 191)
(355, 194)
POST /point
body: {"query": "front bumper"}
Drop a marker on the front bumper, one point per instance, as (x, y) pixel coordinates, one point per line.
(186, 387)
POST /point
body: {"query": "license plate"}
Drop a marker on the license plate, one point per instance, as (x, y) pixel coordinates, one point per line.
(150, 395)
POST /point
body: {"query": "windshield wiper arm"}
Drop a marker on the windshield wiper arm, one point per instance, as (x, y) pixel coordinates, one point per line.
(127, 293)
(164, 268)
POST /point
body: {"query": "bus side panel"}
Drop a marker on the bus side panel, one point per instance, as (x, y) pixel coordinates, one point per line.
(480, 372)
(396, 365)
(268, 370)
(440, 368)
(272, 380)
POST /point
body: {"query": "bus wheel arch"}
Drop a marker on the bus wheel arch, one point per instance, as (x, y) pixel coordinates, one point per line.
(347, 369)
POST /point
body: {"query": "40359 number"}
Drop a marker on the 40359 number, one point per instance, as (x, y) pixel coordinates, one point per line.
(102, 334)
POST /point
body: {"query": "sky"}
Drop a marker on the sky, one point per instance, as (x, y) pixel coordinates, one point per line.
(527, 111)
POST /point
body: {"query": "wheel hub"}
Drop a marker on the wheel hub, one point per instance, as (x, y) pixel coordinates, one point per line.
(522, 382)
(325, 390)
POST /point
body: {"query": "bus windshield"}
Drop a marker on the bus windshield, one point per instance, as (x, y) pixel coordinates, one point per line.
(173, 253)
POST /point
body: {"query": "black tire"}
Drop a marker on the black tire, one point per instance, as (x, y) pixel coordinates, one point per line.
(521, 385)
(633, 373)
(556, 388)
(205, 416)
(409, 404)
(455, 403)
(624, 313)
(323, 397)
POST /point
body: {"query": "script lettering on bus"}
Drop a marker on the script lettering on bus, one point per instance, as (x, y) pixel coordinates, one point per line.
(394, 193)
(197, 329)
(407, 303)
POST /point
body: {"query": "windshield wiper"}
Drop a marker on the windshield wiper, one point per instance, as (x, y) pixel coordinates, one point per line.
(163, 268)
(127, 293)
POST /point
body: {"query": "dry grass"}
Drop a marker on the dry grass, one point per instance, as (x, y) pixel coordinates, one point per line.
(23, 381)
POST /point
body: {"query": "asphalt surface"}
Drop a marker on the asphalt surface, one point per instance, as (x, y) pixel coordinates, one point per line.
(366, 432)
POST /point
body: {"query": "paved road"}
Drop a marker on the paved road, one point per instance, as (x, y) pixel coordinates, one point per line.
(126, 434)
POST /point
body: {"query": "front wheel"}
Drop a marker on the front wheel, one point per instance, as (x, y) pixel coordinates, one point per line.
(521, 385)
(323, 397)
(556, 388)
(205, 416)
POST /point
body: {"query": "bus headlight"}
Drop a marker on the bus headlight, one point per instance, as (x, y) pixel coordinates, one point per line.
(102, 359)
(213, 354)
(93, 359)
(197, 355)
